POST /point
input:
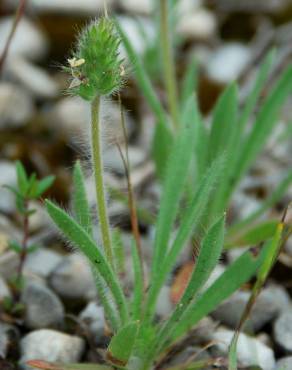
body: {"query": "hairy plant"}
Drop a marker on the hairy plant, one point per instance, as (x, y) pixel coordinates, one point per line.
(28, 189)
(138, 338)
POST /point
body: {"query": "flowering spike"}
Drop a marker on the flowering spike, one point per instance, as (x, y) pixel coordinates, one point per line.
(95, 65)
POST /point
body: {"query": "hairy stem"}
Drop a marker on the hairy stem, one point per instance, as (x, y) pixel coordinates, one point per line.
(99, 180)
(168, 63)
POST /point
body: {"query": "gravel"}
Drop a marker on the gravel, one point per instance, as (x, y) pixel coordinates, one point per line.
(42, 262)
(269, 304)
(12, 96)
(93, 317)
(43, 308)
(35, 79)
(228, 62)
(4, 290)
(283, 331)
(72, 279)
(28, 40)
(284, 363)
(250, 351)
(51, 345)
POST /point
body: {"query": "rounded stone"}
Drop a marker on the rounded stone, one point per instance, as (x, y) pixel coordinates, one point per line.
(43, 309)
(50, 345)
(283, 331)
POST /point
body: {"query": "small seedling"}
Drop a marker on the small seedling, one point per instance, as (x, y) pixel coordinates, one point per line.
(28, 189)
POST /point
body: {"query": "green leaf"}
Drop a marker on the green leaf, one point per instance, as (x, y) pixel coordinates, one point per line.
(15, 246)
(222, 138)
(190, 81)
(252, 98)
(43, 185)
(32, 248)
(80, 238)
(189, 222)
(174, 182)
(234, 152)
(270, 255)
(209, 255)
(121, 345)
(224, 122)
(22, 180)
(80, 203)
(32, 185)
(264, 124)
(253, 235)
(161, 146)
(232, 279)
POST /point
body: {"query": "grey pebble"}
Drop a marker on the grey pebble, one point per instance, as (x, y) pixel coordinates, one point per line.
(72, 279)
(43, 308)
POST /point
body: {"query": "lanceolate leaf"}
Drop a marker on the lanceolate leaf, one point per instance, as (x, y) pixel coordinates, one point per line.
(252, 235)
(22, 180)
(79, 237)
(161, 146)
(235, 275)
(189, 222)
(252, 98)
(43, 185)
(209, 255)
(80, 204)
(121, 345)
(272, 249)
(266, 120)
(82, 213)
(224, 123)
(175, 179)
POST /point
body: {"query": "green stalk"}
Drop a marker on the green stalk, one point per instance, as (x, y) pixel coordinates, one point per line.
(99, 180)
(168, 63)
